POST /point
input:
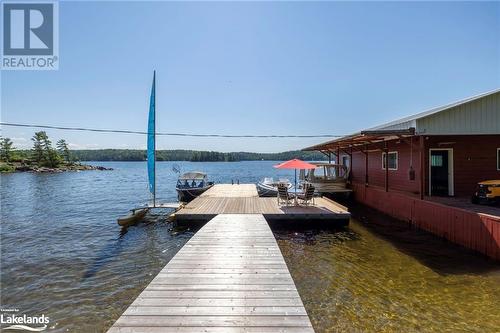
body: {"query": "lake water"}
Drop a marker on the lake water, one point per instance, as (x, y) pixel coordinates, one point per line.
(63, 255)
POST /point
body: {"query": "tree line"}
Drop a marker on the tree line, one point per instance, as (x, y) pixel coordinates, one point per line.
(191, 155)
(44, 154)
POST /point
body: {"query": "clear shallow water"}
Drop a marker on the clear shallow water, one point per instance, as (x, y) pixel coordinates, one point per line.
(380, 276)
(63, 255)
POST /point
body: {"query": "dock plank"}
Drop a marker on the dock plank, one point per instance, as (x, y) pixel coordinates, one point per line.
(214, 321)
(243, 199)
(238, 283)
(207, 302)
(186, 329)
(231, 190)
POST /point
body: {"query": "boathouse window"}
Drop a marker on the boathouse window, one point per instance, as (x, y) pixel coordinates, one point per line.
(436, 160)
(345, 161)
(393, 160)
(498, 158)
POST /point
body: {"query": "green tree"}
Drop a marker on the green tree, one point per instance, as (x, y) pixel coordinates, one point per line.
(6, 149)
(52, 158)
(42, 150)
(37, 150)
(63, 149)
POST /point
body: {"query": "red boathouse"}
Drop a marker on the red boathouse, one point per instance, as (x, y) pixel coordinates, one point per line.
(424, 169)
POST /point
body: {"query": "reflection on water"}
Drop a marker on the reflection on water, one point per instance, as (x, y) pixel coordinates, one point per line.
(380, 276)
(63, 255)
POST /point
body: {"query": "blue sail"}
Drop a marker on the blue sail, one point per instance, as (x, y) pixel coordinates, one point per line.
(151, 140)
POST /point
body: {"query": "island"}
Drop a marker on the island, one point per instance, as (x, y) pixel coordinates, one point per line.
(41, 158)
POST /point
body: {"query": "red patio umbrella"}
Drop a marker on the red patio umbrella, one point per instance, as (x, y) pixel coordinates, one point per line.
(295, 164)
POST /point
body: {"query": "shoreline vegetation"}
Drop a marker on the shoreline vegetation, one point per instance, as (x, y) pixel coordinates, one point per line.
(105, 155)
(42, 157)
(27, 167)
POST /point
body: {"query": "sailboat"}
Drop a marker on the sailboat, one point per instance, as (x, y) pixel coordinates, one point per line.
(137, 214)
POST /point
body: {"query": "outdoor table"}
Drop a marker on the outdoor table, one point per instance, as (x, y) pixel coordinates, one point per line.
(295, 192)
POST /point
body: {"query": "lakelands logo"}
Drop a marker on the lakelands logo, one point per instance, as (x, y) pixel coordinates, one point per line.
(11, 320)
(30, 35)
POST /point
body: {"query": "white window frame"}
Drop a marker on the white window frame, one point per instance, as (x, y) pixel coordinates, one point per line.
(397, 159)
(498, 159)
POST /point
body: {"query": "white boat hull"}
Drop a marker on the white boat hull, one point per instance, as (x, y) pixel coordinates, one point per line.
(268, 189)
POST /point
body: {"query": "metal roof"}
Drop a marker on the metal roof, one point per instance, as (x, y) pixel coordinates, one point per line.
(427, 113)
(394, 129)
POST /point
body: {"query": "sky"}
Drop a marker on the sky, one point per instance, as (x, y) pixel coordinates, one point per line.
(252, 68)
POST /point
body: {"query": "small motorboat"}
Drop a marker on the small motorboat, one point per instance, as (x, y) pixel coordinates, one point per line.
(135, 216)
(269, 187)
(327, 178)
(191, 184)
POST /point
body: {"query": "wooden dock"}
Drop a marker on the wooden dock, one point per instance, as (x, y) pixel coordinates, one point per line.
(243, 199)
(229, 277)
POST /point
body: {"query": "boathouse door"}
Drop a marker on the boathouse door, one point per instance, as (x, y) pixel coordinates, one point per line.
(441, 171)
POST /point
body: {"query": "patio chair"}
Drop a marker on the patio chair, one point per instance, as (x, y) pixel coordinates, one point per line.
(308, 196)
(283, 195)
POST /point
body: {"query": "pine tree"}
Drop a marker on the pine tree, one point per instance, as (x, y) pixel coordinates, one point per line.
(63, 149)
(50, 153)
(43, 152)
(37, 150)
(5, 149)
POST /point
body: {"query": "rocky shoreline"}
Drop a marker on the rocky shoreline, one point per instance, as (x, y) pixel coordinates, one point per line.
(19, 167)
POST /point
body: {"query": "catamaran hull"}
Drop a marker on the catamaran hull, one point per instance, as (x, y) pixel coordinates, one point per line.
(132, 218)
(188, 194)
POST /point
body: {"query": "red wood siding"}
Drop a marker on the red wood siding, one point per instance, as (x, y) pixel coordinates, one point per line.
(398, 179)
(475, 231)
(358, 169)
(474, 159)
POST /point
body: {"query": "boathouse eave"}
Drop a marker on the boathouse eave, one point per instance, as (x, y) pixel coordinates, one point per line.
(362, 138)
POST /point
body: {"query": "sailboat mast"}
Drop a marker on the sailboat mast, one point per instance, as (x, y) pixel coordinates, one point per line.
(154, 139)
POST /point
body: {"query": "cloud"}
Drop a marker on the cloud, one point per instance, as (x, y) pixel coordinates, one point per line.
(72, 145)
(21, 143)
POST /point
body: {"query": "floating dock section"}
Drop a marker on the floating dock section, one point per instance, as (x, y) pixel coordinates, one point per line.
(229, 277)
(243, 199)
